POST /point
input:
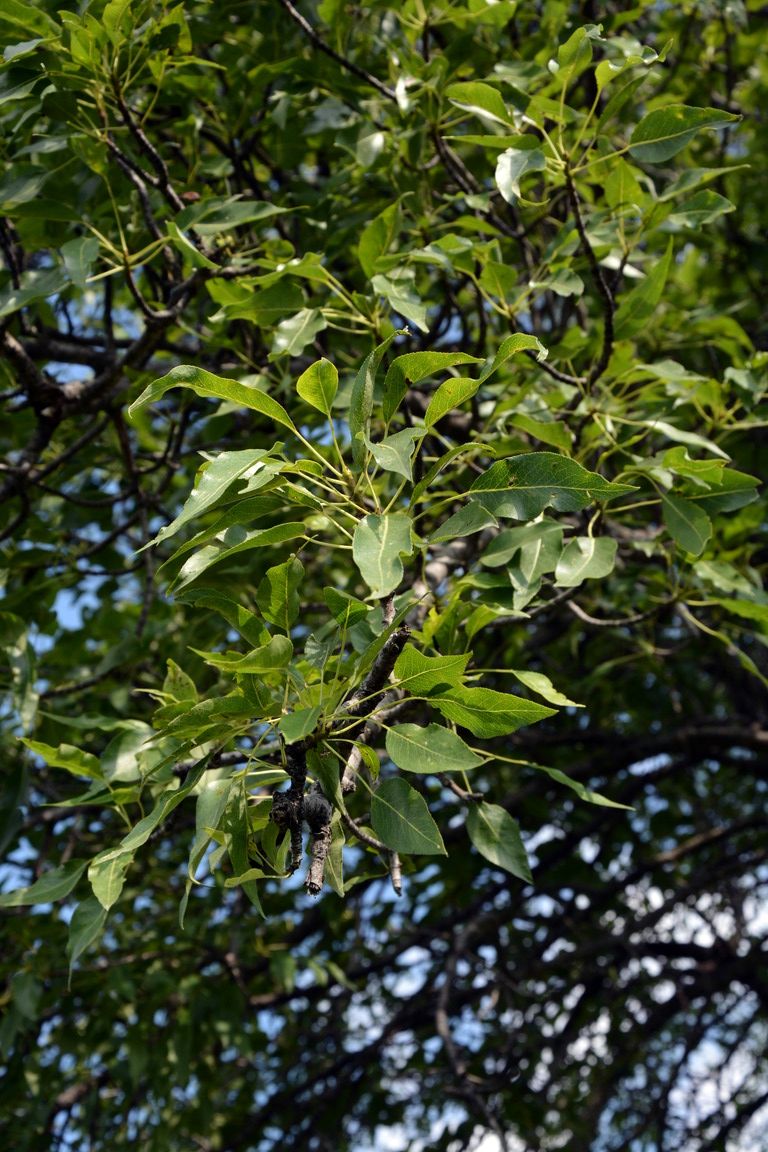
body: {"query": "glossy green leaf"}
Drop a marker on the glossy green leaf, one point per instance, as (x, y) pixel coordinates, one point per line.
(107, 875)
(234, 541)
(52, 885)
(543, 686)
(378, 544)
(638, 306)
(448, 396)
(377, 238)
(347, 609)
(430, 749)
(401, 820)
(33, 285)
(248, 624)
(521, 487)
(214, 215)
(318, 385)
(85, 928)
(395, 453)
(334, 865)
(487, 713)
(178, 683)
(296, 725)
(398, 290)
(67, 756)
(278, 594)
(583, 793)
(419, 674)
(585, 558)
(204, 383)
(276, 653)
(292, 335)
(480, 99)
(361, 404)
(536, 546)
(497, 837)
(688, 525)
(512, 346)
(212, 799)
(79, 257)
(213, 481)
(410, 369)
(663, 132)
(468, 520)
(512, 166)
(165, 804)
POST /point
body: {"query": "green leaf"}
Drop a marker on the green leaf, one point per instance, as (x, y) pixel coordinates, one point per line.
(271, 656)
(292, 335)
(237, 846)
(126, 756)
(583, 793)
(401, 820)
(419, 674)
(204, 383)
(52, 885)
(512, 346)
(521, 487)
(665, 131)
(20, 14)
(166, 803)
(233, 542)
(79, 256)
(393, 454)
(296, 725)
(639, 305)
(554, 432)
(324, 767)
(487, 713)
(216, 214)
(248, 624)
(448, 396)
(214, 479)
(688, 525)
(377, 238)
(178, 684)
(398, 289)
(543, 686)
(33, 285)
(701, 209)
(278, 594)
(497, 837)
(433, 749)
(334, 865)
(85, 927)
(318, 385)
(733, 490)
(378, 543)
(480, 99)
(347, 609)
(539, 545)
(107, 875)
(361, 404)
(413, 367)
(512, 165)
(66, 756)
(585, 558)
(212, 799)
(468, 520)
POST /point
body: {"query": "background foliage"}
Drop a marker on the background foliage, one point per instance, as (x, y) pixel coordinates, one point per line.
(441, 328)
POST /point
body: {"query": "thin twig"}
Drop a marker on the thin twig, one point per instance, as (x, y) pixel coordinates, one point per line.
(350, 66)
(601, 284)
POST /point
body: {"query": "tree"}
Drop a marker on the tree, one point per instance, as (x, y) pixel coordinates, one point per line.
(383, 616)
